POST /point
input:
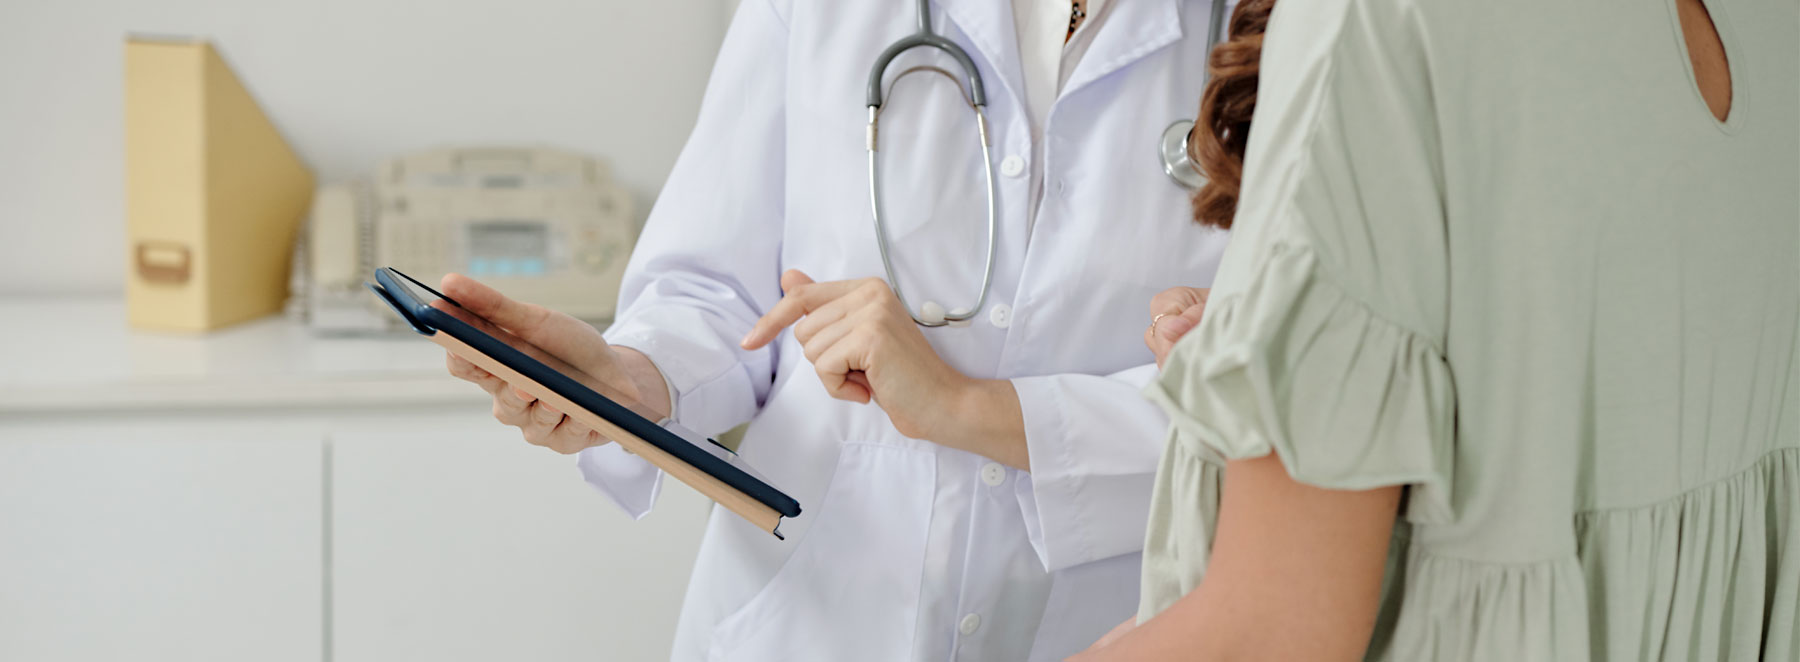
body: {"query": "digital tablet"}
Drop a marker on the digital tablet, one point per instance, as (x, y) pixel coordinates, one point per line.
(694, 459)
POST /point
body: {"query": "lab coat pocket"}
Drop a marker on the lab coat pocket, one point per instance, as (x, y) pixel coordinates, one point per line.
(853, 582)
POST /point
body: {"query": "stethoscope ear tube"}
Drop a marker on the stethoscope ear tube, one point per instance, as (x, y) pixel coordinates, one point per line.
(935, 318)
(976, 97)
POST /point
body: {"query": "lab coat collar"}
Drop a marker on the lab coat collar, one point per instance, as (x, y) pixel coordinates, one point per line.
(1133, 29)
(989, 26)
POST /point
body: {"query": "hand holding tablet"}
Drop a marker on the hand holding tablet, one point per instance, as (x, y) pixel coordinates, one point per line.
(605, 411)
(575, 342)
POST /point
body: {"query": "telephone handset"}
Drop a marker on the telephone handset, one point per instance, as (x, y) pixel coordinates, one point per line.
(540, 225)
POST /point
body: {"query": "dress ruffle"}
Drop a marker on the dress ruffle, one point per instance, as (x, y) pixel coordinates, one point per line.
(1699, 577)
(1702, 576)
(1293, 365)
(1349, 400)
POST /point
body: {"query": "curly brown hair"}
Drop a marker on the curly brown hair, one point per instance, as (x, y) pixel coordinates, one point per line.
(1223, 128)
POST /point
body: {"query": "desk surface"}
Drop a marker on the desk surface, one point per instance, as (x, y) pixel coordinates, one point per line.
(69, 354)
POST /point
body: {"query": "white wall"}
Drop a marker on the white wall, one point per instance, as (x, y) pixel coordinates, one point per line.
(349, 82)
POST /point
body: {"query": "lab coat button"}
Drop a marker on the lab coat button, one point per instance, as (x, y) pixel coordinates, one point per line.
(970, 624)
(1000, 316)
(993, 474)
(1012, 166)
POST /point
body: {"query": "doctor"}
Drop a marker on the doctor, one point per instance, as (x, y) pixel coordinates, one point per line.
(973, 491)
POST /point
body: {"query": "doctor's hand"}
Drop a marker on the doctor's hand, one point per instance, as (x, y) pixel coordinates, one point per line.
(865, 347)
(574, 342)
(1173, 313)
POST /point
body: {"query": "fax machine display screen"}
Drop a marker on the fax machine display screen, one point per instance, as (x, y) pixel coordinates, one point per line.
(508, 248)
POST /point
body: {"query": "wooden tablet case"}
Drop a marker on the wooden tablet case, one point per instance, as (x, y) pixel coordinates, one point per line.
(750, 509)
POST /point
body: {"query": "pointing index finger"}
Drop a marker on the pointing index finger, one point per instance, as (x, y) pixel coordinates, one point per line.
(799, 301)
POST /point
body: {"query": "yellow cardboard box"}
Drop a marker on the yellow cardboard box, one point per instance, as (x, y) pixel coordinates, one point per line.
(214, 196)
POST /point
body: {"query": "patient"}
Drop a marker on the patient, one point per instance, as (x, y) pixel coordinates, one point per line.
(1503, 362)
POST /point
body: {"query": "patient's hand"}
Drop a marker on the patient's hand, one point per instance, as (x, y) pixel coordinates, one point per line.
(1174, 312)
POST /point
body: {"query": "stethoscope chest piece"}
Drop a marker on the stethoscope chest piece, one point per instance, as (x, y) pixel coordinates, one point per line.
(1176, 163)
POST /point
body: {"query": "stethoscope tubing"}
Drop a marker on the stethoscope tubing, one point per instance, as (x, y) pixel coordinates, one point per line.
(977, 100)
(925, 37)
(1177, 158)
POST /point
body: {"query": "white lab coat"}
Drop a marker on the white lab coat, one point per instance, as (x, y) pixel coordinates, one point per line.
(908, 550)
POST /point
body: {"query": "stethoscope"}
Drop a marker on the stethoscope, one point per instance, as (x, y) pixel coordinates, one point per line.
(1173, 147)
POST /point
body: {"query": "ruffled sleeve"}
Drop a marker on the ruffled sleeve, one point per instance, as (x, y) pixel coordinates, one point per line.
(1295, 366)
(1323, 341)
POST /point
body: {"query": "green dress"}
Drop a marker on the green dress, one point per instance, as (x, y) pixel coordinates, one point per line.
(1502, 254)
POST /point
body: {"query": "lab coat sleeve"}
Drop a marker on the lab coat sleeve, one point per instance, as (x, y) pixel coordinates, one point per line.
(708, 262)
(1094, 442)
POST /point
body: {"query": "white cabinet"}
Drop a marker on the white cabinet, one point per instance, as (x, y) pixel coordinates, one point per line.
(159, 541)
(474, 546)
(259, 494)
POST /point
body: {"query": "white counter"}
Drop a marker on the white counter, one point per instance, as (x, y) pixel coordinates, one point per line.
(77, 354)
